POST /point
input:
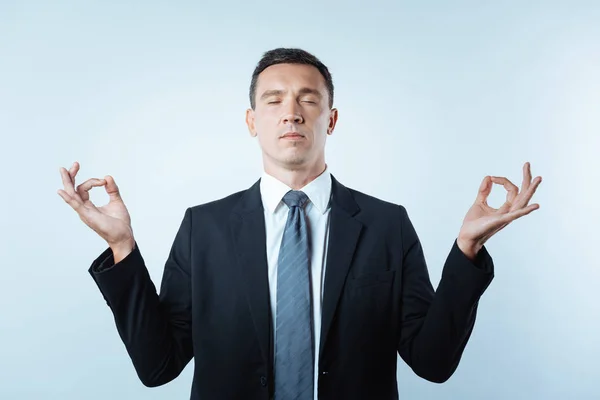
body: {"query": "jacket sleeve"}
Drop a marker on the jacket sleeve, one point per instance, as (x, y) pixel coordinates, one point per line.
(436, 325)
(155, 329)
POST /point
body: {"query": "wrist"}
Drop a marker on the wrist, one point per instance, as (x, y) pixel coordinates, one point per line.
(122, 249)
(469, 248)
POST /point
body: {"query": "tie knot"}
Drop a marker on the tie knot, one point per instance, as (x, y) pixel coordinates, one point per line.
(295, 198)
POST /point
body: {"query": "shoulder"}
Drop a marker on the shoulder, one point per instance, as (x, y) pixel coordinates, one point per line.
(218, 207)
(371, 204)
(222, 203)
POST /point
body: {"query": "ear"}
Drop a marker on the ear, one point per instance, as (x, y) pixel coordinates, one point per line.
(333, 117)
(250, 122)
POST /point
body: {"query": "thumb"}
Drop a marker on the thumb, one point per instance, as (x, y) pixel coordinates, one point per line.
(111, 188)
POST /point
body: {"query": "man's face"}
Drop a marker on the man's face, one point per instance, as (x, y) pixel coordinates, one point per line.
(292, 117)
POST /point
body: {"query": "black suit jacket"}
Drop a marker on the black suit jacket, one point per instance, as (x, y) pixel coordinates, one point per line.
(214, 302)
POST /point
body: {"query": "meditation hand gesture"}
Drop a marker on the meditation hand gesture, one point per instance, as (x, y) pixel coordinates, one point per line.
(483, 221)
(111, 221)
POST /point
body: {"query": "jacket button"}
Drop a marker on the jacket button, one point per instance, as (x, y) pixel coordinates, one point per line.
(263, 380)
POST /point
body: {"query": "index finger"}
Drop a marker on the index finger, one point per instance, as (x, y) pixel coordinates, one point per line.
(510, 187)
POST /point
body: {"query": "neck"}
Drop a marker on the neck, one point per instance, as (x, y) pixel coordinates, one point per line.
(296, 177)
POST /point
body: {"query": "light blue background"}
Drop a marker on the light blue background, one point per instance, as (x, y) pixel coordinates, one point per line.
(432, 95)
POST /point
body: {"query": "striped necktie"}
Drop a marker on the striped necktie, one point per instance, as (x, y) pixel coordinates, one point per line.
(294, 354)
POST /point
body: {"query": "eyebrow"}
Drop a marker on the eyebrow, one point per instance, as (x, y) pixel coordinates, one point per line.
(276, 92)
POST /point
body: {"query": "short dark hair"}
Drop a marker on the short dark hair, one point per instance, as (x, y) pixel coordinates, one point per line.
(283, 55)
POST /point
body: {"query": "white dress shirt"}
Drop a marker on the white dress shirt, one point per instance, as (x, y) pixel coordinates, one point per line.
(317, 214)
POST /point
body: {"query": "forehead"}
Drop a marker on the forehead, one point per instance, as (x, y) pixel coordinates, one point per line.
(293, 76)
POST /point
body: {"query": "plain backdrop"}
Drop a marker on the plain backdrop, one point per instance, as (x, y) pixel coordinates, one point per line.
(432, 97)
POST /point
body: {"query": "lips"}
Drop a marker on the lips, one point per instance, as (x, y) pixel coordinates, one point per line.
(292, 135)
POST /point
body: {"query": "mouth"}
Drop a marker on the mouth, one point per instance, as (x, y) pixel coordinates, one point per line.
(292, 135)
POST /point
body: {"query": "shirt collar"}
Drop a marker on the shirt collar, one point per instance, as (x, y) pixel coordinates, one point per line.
(318, 191)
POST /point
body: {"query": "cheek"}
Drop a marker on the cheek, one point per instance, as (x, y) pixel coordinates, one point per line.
(265, 121)
(322, 124)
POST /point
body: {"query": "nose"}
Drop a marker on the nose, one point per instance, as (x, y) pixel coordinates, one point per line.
(292, 115)
(292, 118)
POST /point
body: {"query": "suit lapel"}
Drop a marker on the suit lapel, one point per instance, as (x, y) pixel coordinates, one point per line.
(247, 226)
(344, 231)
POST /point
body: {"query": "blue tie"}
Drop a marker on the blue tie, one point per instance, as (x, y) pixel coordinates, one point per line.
(294, 355)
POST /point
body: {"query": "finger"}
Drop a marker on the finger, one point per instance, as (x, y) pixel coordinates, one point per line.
(484, 190)
(508, 218)
(70, 200)
(73, 171)
(67, 181)
(527, 195)
(510, 187)
(112, 189)
(526, 177)
(84, 188)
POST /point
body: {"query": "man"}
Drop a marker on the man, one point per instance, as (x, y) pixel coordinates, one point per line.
(298, 287)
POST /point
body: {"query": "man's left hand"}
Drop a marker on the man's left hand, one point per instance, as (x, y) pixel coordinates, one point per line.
(482, 221)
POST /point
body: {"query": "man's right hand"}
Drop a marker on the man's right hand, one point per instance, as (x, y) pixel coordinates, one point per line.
(111, 221)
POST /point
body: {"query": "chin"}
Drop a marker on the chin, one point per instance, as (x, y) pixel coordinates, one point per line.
(295, 161)
(291, 157)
